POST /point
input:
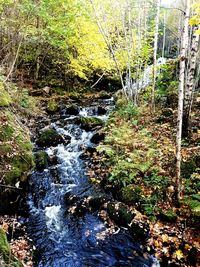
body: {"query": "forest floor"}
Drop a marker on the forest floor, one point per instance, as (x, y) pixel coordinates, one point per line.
(136, 162)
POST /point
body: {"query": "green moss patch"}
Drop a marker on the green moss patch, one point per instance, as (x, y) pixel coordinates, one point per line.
(5, 98)
(89, 123)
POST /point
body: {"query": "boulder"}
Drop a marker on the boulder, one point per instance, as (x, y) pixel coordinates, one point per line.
(97, 137)
(41, 160)
(166, 115)
(97, 201)
(104, 95)
(139, 230)
(119, 213)
(50, 137)
(89, 123)
(101, 110)
(72, 110)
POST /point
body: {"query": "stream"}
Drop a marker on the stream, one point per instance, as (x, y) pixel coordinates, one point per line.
(63, 239)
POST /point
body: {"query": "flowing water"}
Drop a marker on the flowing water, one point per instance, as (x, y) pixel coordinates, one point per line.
(64, 239)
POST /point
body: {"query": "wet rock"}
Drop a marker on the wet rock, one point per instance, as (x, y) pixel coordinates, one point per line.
(101, 110)
(97, 137)
(139, 230)
(71, 199)
(50, 137)
(41, 160)
(72, 110)
(97, 201)
(89, 123)
(88, 152)
(119, 213)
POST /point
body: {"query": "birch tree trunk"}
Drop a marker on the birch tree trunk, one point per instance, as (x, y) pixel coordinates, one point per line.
(190, 83)
(155, 55)
(182, 75)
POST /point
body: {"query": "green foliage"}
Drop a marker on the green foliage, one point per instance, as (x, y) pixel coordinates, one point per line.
(16, 149)
(131, 149)
(52, 106)
(6, 258)
(128, 111)
(5, 99)
(167, 83)
(188, 167)
(131, 194)
(24, 100)
(157, 183)
(169, 216)
(192, 184)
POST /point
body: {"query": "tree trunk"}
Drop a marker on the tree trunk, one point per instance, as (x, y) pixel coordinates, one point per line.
(155, 55)
(190, 84)
(180, 100)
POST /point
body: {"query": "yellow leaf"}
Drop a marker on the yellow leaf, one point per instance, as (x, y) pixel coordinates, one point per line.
(179, 254)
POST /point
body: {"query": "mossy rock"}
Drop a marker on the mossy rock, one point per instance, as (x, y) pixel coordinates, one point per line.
(50, 137)
(21, 161)
(119, 213)
(131, 195)
(72, 109)
(104, 95)
(5, 252)
(20, 166)
(52, 107)
(167, 112)
(41, 160)
(89, 123)
(98, 137)
(168, 216)
(139, 231)
(5, 98)
(165, 116)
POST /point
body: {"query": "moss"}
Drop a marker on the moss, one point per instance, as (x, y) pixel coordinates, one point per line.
(119, 213)
(41, 160)
(52, 107)
(20, 165)
(104, 95)
(131, 195)
(18, 153)
(4, 245)
(169, 216)
(5, 99)
(49, 137)
(90, 122)
(5, 252)
(5, 149)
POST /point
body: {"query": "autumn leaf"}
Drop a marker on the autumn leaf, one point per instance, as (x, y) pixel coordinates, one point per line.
(179, 254)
